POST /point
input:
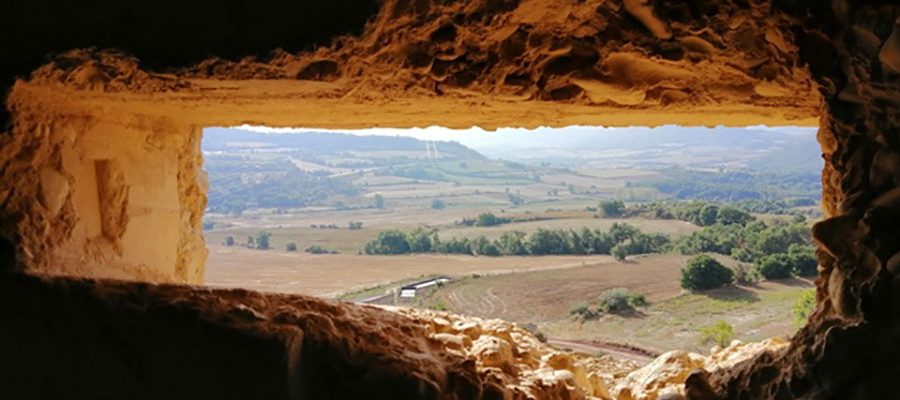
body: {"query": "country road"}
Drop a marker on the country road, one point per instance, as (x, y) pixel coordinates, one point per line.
(640, 356)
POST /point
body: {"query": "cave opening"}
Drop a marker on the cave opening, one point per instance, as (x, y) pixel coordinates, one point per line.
(504, 63)
(474, 222)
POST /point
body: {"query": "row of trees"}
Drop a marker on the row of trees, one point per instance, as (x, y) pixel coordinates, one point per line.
(699, 213)
(485, 219)
(704, 272)
(260, 241)
(620, 240)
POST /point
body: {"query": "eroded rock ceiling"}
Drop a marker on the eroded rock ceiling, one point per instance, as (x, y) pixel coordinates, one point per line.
(90, 120)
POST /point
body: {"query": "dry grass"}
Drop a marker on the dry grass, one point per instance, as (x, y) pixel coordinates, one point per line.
(671, 321)
(545, 296)
(331, 274)
(756, 313)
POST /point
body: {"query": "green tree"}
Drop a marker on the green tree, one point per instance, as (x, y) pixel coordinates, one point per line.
(488, 248)
(229, 241)
(290, 246)
(489, 219)
(512, 243)
(703, 273)
(612, 208)
(391, 241)
(438, 204)
(729, 215)
(354, 225)
(378, 201)
(619, 251)
(776, 266)
(720, 333)
(804, 306)
(262, 240)
(545, 241)
(803, 260)
(742, 254)
(515, 199)
(708, 215)
(621, 232)
(419, 240)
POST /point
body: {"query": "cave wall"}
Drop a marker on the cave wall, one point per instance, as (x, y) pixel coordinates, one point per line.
(120, 198)
(849, 348)
(166, 34)
(790, 59)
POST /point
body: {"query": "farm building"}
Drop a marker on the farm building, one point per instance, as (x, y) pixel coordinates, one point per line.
(409, 291)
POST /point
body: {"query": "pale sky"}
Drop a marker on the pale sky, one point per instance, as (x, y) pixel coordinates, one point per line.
(477, 135)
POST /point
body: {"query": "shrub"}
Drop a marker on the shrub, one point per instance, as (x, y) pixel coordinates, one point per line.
(354, 225)
(533, 329)
(316, 249)
(378, 201)
(262, 240)
(620, 301)
(438, 204)
(720, 333)
(745, 275)
(741, 254)
(619, 251)
(703, 273)
(290, 246)
(775, 266)
(229, 241)
(612, 208)
(391, 241)
(583, 311)
(803, 260)
(489, 219)
(804, 306)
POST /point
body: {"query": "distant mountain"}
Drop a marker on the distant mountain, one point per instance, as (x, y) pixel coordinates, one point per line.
(784, 149)
(327, 143)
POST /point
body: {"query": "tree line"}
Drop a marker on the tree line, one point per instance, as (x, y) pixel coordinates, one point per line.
(620, 240)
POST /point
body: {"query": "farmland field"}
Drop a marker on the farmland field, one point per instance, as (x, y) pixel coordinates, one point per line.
(671, 320)
(329, 275)
(317, 200)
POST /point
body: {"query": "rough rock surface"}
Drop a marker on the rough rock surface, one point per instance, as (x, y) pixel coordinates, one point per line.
(519, 62)
(666, 375)
(79, 338)
(104, 339)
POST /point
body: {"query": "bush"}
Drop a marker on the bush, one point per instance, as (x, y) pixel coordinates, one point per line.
(720, 333)
(803, 260)
(745, 275)
(619, 251)
(290, 246)
(262, 240)
(583, 311)
(620, 301)
(489, 219)
(354, 225)
(612, 208)
(703, 273)
(229, 241)
(391, 241)
(775, 266)
(316, 249)
(804, 306)
(438, 204)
